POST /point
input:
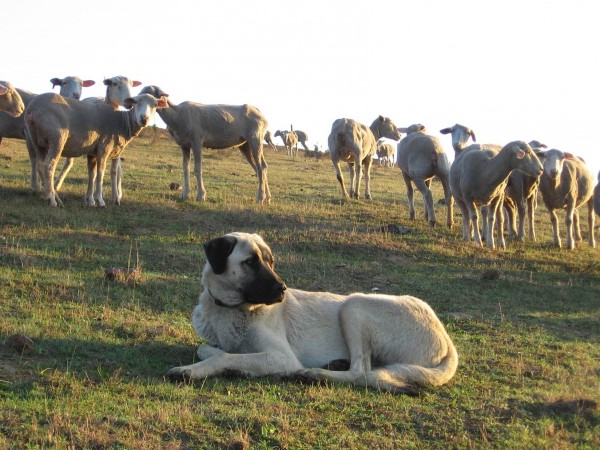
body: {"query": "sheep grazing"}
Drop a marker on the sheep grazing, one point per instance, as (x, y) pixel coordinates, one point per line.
(478, 178)
(290, 140)
(58, 126)
(421, 157)
(302, 138)
(460, 136)
(118, 89)
(356, 144)
(10, 100)
(597, 196)
(520, 198)
(195, 126)
(385, 153)
(567, 183)
(269, 140)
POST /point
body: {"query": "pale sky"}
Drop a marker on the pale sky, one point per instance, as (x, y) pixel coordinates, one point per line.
(526, 69)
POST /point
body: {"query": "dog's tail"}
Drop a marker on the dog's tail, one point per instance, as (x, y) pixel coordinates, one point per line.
(407, 377)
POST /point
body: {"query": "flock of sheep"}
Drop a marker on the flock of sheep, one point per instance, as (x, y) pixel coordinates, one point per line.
(483, 177)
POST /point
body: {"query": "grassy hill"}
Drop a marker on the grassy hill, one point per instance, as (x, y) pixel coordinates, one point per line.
(528, 340)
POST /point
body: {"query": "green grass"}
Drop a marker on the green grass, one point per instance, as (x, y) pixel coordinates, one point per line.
(529, 342)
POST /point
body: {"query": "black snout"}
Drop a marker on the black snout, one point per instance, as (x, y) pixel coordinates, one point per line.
(266, 288)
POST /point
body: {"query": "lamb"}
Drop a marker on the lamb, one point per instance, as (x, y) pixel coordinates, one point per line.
(195, 126)
(460, 136)
(385, 153)
(118, 89)
(356, 144)
(290, 140)
(58, 126)
(520, 196)
(421, 157)
(10, 100)
(14, 127)
(567, 183)
(480, 177)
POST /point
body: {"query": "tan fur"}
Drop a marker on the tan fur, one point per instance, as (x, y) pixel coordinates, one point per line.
(392, 343)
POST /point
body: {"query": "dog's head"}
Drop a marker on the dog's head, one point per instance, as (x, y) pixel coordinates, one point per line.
(239, 269)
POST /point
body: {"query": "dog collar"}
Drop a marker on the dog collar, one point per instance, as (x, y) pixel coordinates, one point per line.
(219, 302)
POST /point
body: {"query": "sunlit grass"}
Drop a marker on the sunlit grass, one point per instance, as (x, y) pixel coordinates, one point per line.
(529, 341)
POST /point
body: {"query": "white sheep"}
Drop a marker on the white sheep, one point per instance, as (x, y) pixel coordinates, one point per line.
(460, 136)
(421, 157)
(58, 126)
(567, 184)
(302, 138)
(195, 126)
(290, 141)
(14, 127)
(354, 143)
(71, 86)
(520, 199)
(118, 88)
(385, 153)
(479, 177)
(10, 101)
(269, 140)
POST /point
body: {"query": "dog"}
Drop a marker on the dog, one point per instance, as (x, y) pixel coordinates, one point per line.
(255, 326)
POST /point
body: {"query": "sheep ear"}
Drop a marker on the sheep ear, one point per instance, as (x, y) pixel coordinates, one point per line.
(382, 119)
(446, 131)
(569, 156)
(107, 82)
(472, 136)
(402, 130)
(56, 82)
(520, 153)
(128, 103)
(539, 153)
(162, 103)
(136, 83)
(3, 89)
(88, 83)
(217, 251)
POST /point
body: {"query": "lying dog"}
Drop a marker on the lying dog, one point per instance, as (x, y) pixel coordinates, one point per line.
(255, 326)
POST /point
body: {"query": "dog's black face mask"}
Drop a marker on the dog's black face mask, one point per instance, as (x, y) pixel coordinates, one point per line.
(250, 268)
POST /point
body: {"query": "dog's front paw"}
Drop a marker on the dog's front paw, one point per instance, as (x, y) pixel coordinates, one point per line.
(179, 375)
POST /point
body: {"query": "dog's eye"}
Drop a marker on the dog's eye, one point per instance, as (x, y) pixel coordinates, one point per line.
(253, 261)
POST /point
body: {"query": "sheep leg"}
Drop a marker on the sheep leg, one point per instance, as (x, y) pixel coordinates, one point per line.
(186, 155)
(36, 169)
(63, 173)
(427, 199)
(197, 150)
(576, 227)
(474, 218)
(511, 218)
(410, 194)
(101, 161)
(521, 212)
(352, 172)
(358, 172)
(530, 216)
(466, 223)
(554, 220)
(116, 176)
(449, 202)
(50, 164)
(499, 218)
(89, 196)
(264, 194)
(591, 219)
(368, 161)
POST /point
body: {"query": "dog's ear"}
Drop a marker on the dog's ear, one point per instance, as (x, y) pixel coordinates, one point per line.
(217, 251)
